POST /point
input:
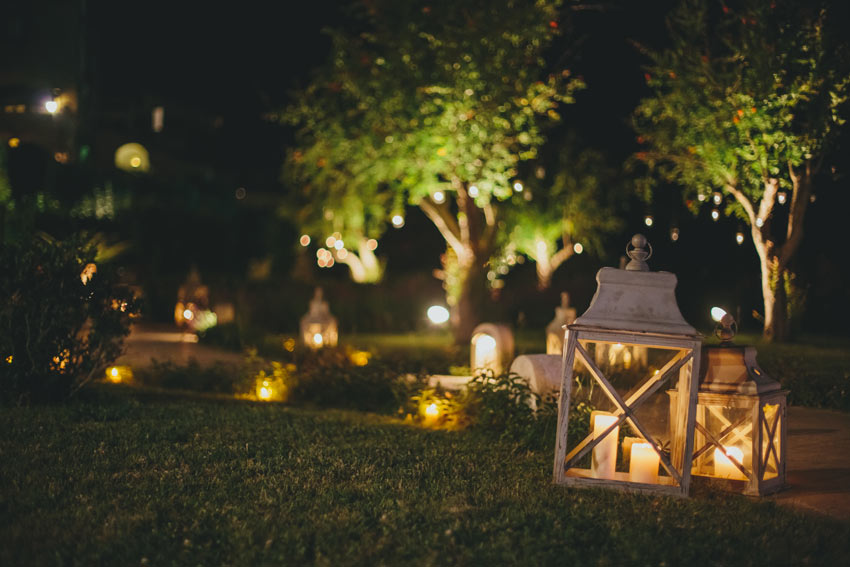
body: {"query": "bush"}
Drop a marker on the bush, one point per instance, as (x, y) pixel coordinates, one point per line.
(61, 323)
(218, 378)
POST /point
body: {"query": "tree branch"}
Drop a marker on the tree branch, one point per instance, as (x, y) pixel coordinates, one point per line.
(445, 223)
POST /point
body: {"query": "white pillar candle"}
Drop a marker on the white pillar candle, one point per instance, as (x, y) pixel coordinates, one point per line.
(724, 467)
(604, 459)
(643, 464)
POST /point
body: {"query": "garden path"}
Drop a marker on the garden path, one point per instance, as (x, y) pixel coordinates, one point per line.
(818, 468)
(166, 343)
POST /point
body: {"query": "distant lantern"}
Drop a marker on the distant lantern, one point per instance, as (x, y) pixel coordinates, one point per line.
(157, 118)
(318, 326)
(740, 431)
(132, 157)
(648, 220)
(636, 439)
(557, 327)
(491, 348)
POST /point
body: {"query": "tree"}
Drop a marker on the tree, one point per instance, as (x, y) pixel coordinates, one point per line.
(434, 104)
(566, 213)
(747, 102)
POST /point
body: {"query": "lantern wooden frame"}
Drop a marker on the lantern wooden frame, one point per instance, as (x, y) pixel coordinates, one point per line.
(682, 425)
(732, 380)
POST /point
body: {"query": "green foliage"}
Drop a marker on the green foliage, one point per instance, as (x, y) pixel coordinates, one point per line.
(426, 98)
(745, 93)
(216, 379)
(57, 332)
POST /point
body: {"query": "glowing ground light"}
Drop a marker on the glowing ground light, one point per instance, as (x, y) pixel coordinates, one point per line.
(371, 244)
(188, 315)
(114, 375)
(51, 106)
(717, 313)
(305, 240)
(14, 142)
(485, 345)
(578, 248)
(318, 340)
(398, 221)
(518, 187)
(439, 196)
(438, 314)
(265, 392)
(432, 410)
(715, 214)
(135, 161)
(739, 238)
(473, 191)
(648, 220)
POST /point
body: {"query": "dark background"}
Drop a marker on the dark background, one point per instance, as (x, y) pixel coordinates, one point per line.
(223, 73)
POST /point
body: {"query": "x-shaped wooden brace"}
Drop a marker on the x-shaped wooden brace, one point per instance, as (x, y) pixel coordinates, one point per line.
(625, 409)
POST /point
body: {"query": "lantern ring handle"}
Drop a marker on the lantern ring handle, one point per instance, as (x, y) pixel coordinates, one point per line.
(630, 249)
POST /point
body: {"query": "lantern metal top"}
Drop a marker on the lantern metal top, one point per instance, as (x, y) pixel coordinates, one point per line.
(636, 299)
(733, 370)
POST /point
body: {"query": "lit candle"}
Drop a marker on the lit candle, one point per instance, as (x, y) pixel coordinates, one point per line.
(724, 467)
(643, 465)
(604, 458)
(432, 415)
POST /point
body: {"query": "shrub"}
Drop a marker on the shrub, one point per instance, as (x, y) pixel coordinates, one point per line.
(218, 378)
(62, 320)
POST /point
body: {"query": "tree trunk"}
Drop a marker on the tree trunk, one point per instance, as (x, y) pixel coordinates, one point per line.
(466, 313)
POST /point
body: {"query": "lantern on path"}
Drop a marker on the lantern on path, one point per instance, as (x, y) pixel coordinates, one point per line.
(491, 348)
(616, 424)
(740, 428)
(318, 326)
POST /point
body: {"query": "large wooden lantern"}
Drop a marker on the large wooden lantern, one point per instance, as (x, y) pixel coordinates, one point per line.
(318, 326)
(491, 348)
(740, 422)
(616, 425)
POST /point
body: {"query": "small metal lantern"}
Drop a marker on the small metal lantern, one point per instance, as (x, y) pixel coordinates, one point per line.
(318, 326)
(492, 348)
(564, 315)
(641, 442)
(740, 421)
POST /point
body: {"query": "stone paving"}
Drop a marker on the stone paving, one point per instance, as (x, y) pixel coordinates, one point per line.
(818, 468)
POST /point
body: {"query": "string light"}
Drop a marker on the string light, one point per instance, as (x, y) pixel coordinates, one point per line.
(518, 187)
(371, 244)
(398, 221)
(715, 214)
(339, 245)
(781, 197)
(330, 242)
(717, 198)
(439, 196)
(648, 220)
(759, 222)
(700, 197)
(473, 191)
(674, 234)
(578, 248)
(305, 240)
(739, 237)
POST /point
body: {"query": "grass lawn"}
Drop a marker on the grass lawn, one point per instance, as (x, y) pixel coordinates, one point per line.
(128, 477)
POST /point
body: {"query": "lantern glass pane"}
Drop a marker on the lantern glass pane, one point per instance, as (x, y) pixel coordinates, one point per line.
(770, 437)
(730, 427)
(640, 377)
